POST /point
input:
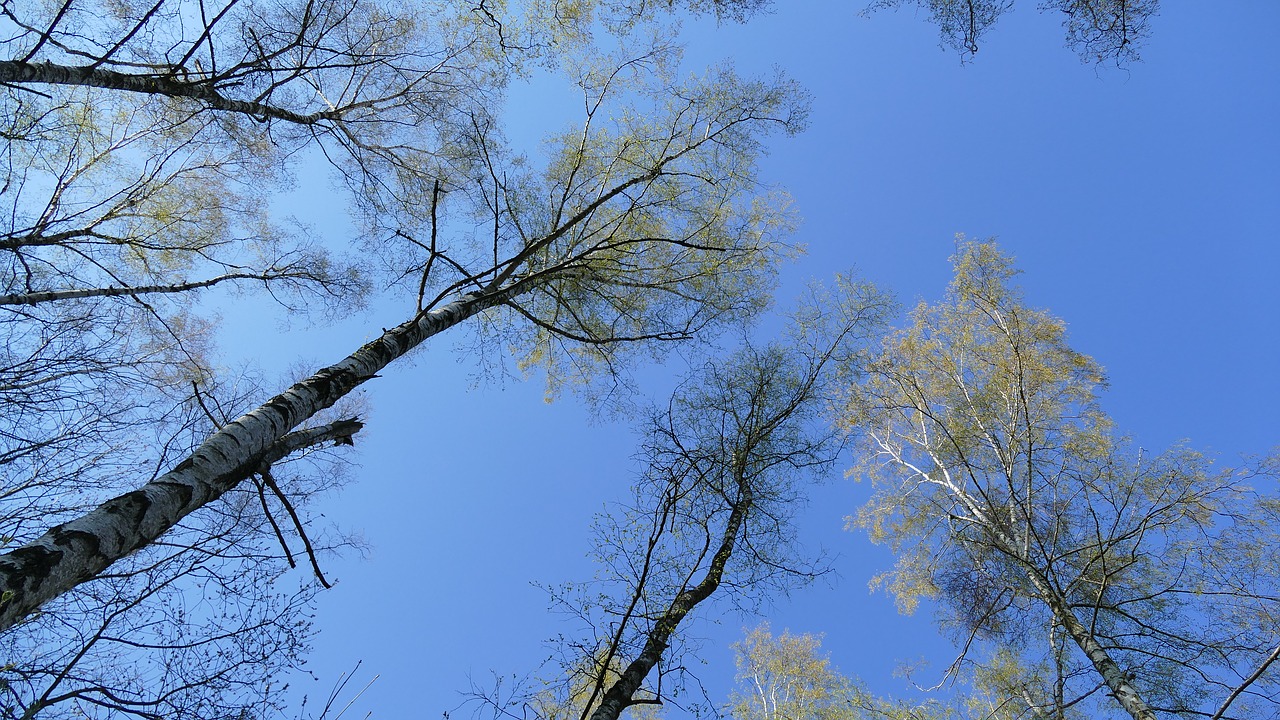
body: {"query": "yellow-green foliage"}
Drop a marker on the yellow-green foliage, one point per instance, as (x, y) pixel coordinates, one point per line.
(787, 677)
(971, 411)
(650, 224)
(1011, 501)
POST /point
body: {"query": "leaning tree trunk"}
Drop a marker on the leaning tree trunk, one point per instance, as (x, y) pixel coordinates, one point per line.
(621, 694)
(18, 73)
(77, 551)
(1116, 679)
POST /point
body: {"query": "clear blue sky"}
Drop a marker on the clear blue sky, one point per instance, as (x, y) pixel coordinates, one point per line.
(1143, 205)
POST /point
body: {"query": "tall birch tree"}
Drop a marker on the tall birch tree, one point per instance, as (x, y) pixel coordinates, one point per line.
(133, 180)
(143, 144)
(1110, 578)
(649, 227)
(724, 469)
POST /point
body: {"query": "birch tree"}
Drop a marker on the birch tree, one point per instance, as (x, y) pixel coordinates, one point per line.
(118, 208)
(651, 229)
(143, 145)
(199, 625)
(724, 469)
(1110, 578)
(787, 677)
(784, 676)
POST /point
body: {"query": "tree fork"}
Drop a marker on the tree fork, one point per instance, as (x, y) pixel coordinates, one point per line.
(77, 551)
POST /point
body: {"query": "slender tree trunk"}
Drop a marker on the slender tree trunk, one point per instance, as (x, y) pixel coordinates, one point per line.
(35, 298)
(621, 694)
(1117, 679)
(1112, 674)
(77, 551)
(46, 73)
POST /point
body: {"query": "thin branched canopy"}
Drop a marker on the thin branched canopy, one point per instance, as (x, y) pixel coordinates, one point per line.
(153, 501)
(1012, 501)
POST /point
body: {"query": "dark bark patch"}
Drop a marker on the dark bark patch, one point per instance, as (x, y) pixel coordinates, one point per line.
(28, 567)
(132, 505)
(184, 491)
(64, 537)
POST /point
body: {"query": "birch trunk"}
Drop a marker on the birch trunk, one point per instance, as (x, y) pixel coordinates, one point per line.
(77, 551)
(620, 695)
(1113, 675)
(1116, 678)
(22, 73)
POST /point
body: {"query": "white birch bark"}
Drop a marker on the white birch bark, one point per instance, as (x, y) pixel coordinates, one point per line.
(621, 694)
(1116, 678)
(77, 551)
(1112, 674)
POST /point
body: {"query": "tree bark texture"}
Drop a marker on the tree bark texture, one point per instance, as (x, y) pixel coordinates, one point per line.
(1116, 678)
(46, 73)
(77, 551)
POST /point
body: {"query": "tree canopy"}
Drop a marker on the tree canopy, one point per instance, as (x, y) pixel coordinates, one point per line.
(153, 500)
(1104, 573)
(142, 146)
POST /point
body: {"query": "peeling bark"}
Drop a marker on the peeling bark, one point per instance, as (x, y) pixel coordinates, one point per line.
(77, 551)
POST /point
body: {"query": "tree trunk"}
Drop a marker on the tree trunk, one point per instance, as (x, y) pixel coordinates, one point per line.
(1116, 678)
(36, 298)
(620, 695)
(77, 551)
(1112, 674)
(16, 72)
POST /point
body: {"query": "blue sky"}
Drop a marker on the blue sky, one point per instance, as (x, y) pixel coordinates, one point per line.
(1142, 204)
